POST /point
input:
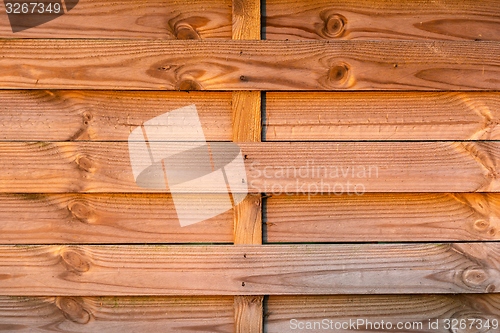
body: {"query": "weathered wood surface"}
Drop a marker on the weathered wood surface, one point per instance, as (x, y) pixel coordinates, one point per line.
(383, 19)
(247, 127)
(272, 167)
(248, 314)
(116, 314)
(105, 218)
(382, 116)
(140, 218)
(248, 213)
(249, 270)
(383, 217)
(249, 65)
(153, 19)
(418, 309)
(214, 314)
(69, 115)
(61, 115)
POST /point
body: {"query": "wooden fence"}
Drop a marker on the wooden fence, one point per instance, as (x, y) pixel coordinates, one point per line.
(399, 99)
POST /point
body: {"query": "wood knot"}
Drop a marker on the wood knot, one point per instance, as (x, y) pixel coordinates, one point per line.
(73, 309)
(85, 163)
(187, 85)
(185, 31)
(334, 25)
(80, 211)
(481, 225)
(339, 73)
(474, 277)
(75, 261)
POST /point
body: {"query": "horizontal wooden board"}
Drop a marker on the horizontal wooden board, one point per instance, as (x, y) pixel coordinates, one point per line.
(67, 115)
(249, 65)
(383, 19)
(383, 217)
(95, 270)
(105, 218)
(137, 218)
(60, 115)
(156, 19)
(382, 116)
(271, 167)
(418, 312)
(116, 314)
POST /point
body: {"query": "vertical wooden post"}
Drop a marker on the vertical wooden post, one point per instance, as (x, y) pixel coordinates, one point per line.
(248, 310)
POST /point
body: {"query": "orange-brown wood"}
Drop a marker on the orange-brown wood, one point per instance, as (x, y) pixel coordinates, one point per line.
(249, 65)
(383, 217)
(116, 314)
(105, 218)
(134, 19)
(94, 270)
(73, 115)
(383, 19)
(272, 167)
(416, 311)
(382, 116)
(248, 310)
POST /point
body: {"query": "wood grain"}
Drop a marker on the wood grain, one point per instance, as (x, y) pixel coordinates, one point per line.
(116, 314)
(246, 19)
(153, 19)
(382, 116)
(249, 270)
(272, 167)
(418, 309)
(105, 218)
(249, 65)
(73, 115)
(247, 127)
(66, 115)
(248, 314)
(383, 217)
(383, 19)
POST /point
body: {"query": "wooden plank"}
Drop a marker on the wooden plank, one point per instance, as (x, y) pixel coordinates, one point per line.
(154, 19)
(247, 127)
(419, 312)
(382, 116)
(272, 167)
(383, 217)
(248, 314)
(383, 19)
(60, 115)
(246, 19)
(68, 115)
(116, 314)
(249, 65)
(98, 270)
(248, 221)
(105, 218)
